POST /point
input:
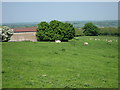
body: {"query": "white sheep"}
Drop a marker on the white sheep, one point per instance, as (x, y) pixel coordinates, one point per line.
(109, 41)
(44, 75)
(57, 41)
(85, 43)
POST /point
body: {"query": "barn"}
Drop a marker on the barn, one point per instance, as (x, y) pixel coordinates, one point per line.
(24, 34)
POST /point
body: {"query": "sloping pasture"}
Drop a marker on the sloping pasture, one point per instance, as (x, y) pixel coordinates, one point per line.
(61, 65)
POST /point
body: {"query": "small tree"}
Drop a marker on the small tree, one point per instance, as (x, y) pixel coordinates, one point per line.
(90, 29)
(55, 30)
(5, 33)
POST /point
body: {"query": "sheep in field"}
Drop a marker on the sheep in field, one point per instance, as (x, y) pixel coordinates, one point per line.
(95, 39)
(110, 41)
(57, 41)
(85, 43)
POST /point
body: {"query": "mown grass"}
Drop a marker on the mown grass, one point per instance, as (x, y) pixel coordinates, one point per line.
(64, 65)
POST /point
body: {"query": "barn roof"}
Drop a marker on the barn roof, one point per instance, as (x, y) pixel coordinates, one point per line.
(25, 29)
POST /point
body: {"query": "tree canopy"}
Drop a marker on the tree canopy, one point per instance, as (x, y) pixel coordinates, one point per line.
(55, 30)
(90, 29)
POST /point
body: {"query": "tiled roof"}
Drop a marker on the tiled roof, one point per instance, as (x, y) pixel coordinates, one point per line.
(25, 29)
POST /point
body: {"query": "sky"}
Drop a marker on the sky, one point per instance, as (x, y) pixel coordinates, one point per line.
(13, 12)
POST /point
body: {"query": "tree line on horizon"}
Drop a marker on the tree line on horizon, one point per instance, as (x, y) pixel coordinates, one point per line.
(64, 31)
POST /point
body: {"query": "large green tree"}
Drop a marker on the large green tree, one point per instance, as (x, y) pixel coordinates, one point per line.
(90, 29)
(55, 30)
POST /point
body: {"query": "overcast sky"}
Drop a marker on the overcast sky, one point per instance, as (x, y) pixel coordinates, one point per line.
(13, 12)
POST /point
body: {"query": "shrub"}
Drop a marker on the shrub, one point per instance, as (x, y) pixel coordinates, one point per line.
(90, 29)
(55, 30)
(5, 33)
(109, 31)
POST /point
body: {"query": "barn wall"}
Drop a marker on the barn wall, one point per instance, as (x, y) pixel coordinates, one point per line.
(24, 36)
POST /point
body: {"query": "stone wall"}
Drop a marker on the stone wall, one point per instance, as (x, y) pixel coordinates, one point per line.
(24, 36)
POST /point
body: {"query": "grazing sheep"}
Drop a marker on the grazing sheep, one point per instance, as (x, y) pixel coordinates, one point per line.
(85, 43)
(109, 41)
(57, 41)
(44, 75)
(95, 39)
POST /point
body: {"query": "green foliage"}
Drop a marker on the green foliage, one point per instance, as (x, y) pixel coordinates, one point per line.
(109, 31)
(55, 30)
(90, 30)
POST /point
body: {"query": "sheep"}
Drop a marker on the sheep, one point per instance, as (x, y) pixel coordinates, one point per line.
(44, 75)
(57, 41)
(109, 41)
(85, 43)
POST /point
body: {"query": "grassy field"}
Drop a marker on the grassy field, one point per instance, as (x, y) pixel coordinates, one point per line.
(61, 65)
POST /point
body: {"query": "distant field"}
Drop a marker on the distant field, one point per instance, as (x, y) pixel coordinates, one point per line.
(76, 24)
(61, 65)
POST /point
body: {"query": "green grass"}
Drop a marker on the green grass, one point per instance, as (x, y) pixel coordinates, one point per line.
(0, 65)
(64, 65)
